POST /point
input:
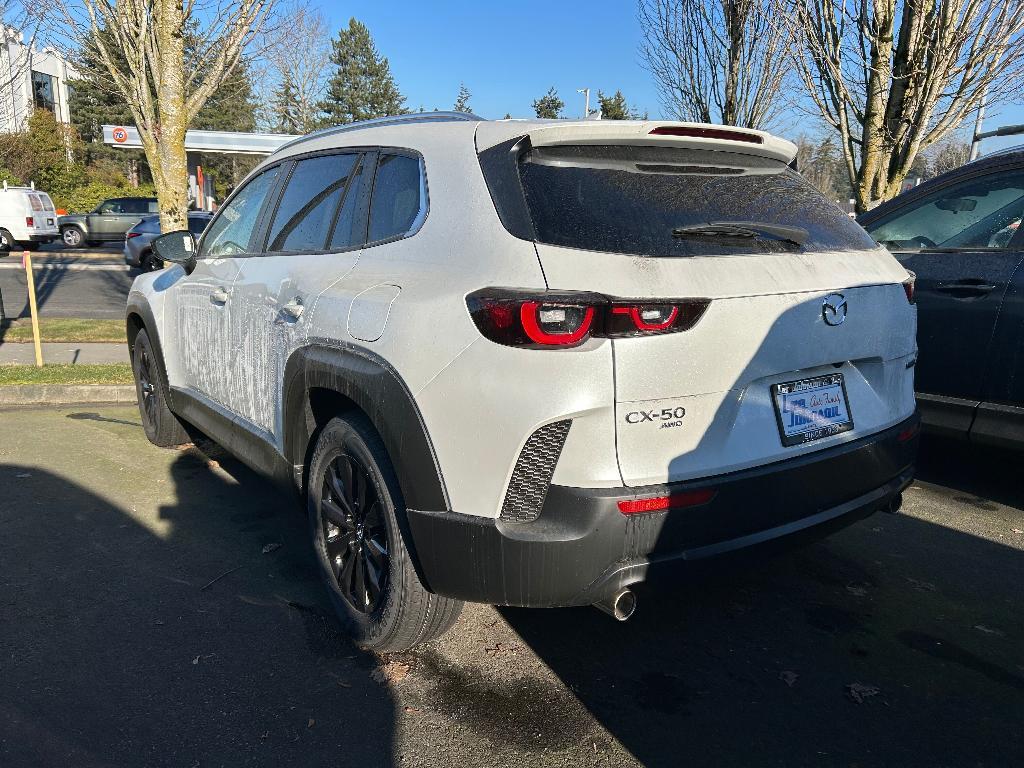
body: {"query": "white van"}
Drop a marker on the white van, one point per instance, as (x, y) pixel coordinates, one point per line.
(27, 218)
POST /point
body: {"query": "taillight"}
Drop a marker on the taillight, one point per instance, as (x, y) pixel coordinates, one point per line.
(707, 133)
(130, 235)
(909, 287)
(29, 221)
(557, 319)
(671, 501)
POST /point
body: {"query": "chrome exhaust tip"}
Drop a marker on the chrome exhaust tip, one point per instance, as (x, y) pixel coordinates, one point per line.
(619, 606)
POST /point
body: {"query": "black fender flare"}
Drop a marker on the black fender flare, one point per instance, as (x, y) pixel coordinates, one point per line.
(375, 387)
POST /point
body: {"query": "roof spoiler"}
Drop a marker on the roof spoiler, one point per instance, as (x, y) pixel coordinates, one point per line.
(662, 133)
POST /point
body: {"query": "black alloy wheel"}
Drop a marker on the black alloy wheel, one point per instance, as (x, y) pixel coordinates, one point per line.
(147, 388)
(355, 535)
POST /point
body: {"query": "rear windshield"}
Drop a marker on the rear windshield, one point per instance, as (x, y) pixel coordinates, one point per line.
(635, 200)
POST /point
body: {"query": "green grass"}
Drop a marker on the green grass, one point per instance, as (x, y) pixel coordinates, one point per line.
(115, 373)
(64, 330)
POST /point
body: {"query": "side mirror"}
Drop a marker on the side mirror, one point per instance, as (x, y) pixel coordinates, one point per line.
(176, 247)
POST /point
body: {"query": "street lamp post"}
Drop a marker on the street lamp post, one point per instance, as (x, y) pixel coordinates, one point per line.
(586, 98)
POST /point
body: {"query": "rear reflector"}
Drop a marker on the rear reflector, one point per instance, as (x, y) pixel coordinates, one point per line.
(909, 433)
(707, 133)
(672, 501)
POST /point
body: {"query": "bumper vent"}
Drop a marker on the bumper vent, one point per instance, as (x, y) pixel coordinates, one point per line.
(532, 474)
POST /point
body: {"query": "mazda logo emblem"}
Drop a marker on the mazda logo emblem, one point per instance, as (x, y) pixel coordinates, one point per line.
(834, 308)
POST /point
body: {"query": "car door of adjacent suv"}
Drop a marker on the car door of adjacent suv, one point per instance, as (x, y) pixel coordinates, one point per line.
(312, 233)
(200, 305)
(960, 241)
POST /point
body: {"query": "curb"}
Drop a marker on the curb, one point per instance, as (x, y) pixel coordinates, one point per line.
(66, 394)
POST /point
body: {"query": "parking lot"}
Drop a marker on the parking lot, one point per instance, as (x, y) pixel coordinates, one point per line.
(70, 282)
(160, 607)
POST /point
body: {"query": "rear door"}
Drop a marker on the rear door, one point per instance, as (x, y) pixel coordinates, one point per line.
(312, 233)
(800, 300)
(957, 239)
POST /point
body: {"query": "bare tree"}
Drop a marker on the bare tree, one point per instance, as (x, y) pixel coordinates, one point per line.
(298, 55)
(716, 60)
(893, 77)
(165, 57)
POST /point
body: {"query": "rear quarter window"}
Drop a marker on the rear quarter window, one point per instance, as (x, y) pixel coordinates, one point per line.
(631, 200)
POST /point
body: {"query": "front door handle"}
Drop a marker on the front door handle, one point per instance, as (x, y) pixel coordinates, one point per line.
(969, 288)
(219, 296)
(293, 309)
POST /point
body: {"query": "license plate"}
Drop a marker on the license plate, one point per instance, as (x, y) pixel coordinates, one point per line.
(811, 409)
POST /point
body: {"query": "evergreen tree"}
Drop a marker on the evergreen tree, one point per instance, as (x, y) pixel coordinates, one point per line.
(362, 86)
(462, 102)
(284, 107)
(615, 107)
(549, 106)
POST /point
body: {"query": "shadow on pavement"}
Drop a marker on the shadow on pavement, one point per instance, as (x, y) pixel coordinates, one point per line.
(895, 642)
(119, 646)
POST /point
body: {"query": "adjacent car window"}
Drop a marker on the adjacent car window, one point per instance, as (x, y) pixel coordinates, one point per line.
(396, 199)
(649, 200)
(983, 212)
(231, 231)
(308, 206)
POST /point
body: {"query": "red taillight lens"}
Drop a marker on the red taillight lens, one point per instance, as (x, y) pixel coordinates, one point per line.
(29, 221)
(646, 319)
(672, 501)
(556, 319)
(707, 133)
(558, 325)
(908, 433)
(130, 235)
(909, 287)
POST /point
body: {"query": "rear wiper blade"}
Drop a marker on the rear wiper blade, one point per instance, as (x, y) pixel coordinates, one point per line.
(753, 229)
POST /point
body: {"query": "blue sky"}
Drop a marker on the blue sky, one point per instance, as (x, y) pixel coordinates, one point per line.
(509, 54)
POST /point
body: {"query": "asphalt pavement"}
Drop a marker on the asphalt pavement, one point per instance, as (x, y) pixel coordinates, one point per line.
(83, 282)
(160, 607)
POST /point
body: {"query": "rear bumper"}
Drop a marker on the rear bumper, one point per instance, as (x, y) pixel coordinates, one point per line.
(582, 549)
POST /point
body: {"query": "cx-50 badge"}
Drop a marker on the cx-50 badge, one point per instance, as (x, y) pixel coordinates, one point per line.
(834, 309)
(669, 417)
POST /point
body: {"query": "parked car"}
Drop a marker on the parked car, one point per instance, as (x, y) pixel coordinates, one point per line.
(960, 233)
(107, 221)
(138, 241)
(534, 363)
(27, 218)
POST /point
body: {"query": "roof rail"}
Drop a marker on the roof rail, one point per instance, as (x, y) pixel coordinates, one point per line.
(412, 117)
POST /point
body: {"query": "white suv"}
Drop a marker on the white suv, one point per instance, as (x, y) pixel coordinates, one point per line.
(534, 363)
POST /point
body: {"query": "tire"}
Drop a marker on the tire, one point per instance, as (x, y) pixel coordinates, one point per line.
(351, 541)
(161, 426)
(72, 237)
(6, 241)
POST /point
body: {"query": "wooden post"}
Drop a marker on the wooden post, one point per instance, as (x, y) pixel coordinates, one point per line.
(26, 259)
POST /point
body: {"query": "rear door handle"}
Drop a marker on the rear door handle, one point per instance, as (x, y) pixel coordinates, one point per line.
(219, 296)
(293, 309)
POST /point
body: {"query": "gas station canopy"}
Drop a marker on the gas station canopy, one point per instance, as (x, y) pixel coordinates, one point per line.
(204, 141)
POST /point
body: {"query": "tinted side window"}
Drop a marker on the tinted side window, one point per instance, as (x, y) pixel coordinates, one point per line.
(396, 197)
(306, 211)
(133, 205)
(982, 212)
(231, 231)
(111, 206)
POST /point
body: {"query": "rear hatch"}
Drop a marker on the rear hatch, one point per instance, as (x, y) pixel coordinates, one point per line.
(769, 371)
(44, 217)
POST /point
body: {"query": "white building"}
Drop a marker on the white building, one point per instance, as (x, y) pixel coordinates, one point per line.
(30, 77)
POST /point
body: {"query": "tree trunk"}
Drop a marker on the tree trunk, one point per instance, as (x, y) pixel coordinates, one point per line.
(172, 180)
